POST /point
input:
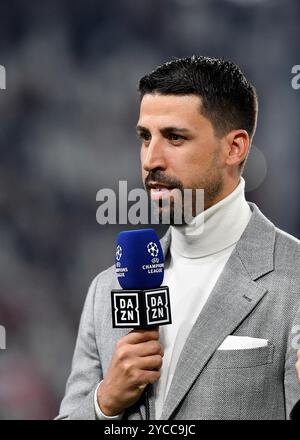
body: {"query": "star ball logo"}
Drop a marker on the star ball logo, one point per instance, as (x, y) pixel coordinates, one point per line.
(152, 249)
(118, 253)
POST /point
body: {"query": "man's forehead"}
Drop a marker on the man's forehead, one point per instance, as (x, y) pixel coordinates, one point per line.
(169, 109)
(158, 100)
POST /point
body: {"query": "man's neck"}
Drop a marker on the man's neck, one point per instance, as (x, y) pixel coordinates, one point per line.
(215, 229)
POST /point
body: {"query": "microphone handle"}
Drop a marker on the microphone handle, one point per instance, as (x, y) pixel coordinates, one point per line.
(147, 404)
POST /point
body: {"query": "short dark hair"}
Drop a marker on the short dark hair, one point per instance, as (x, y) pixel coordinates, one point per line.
(229, 100)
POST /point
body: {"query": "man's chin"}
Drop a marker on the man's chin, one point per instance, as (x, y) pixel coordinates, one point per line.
(172, 210)
(168, 216)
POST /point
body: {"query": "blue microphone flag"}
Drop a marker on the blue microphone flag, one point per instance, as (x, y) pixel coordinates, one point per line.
(142, 302)
(139, 259)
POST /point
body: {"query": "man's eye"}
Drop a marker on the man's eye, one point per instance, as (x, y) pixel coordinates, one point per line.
(175, 137)
(145, 137)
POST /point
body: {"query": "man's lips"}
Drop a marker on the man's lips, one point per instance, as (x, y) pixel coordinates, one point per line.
(158, 185)
(159, 190)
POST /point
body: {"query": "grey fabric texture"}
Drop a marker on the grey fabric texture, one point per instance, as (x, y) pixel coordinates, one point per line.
(256, 295)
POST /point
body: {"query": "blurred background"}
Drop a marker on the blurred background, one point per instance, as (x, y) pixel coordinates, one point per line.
(67, 129)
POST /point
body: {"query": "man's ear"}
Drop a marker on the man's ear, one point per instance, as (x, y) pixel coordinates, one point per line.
(237, 142)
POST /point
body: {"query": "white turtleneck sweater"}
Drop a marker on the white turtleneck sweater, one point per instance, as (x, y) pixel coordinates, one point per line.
(198, 255)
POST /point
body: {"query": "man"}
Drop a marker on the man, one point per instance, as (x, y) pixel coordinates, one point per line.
(229, 353)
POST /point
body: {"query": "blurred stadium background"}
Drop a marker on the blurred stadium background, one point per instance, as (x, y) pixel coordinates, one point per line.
(67, 129)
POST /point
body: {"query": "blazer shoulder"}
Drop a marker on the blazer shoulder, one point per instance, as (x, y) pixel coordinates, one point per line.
(287, 241)
(287, 258)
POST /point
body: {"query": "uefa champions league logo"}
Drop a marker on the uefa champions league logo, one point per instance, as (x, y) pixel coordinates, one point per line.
(153, 251)
(118, 253)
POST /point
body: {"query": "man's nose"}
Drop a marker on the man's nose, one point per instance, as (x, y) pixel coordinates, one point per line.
(154, 156)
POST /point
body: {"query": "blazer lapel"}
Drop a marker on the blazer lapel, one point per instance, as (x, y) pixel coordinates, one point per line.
(232, 299)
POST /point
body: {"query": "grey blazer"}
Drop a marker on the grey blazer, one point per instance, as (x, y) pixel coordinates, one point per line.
(257, 295)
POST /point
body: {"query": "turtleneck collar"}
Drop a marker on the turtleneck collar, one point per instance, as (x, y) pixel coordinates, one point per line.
(214, 229)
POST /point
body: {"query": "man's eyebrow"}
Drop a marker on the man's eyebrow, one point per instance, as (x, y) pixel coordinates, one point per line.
(165, 130)
(140, 128)
(168, 130)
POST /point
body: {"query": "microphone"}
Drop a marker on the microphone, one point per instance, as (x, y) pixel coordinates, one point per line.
(142, 302)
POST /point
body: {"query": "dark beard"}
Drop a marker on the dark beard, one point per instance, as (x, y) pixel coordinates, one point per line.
(167, 211)
(163, 210)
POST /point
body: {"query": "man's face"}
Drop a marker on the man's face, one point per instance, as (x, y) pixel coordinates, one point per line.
(179, 148)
